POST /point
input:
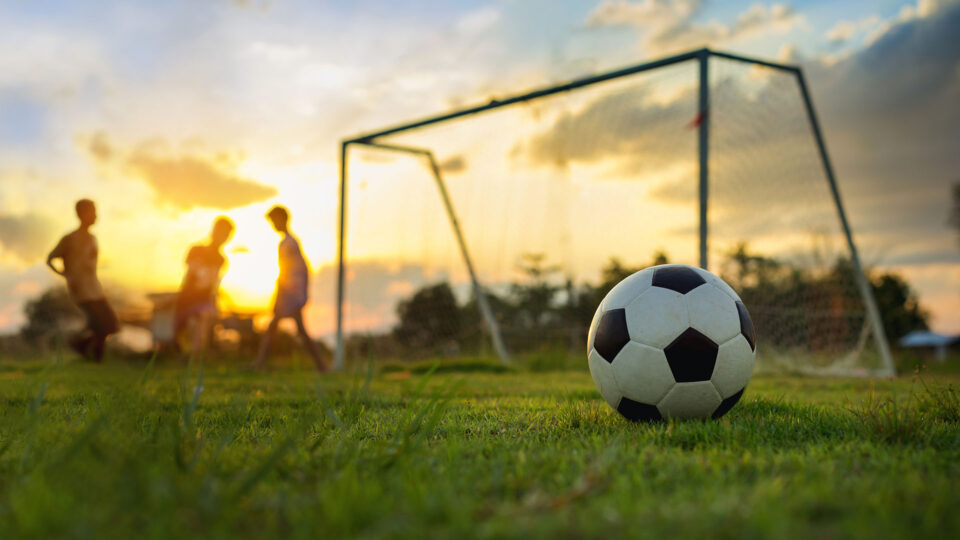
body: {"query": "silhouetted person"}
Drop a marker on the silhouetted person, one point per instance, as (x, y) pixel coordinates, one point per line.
(197, 299)
(78, 254)
(291, 293)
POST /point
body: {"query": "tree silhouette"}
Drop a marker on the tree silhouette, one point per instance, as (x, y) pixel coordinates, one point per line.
(535, 294)
(899, 309)
(429, 318)
(793, 305)
(50, 315)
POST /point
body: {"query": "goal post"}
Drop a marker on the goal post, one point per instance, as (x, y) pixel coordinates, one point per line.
(492, 326)
(550, 126)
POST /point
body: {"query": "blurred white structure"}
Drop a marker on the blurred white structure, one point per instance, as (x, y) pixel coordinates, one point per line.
(924, 339)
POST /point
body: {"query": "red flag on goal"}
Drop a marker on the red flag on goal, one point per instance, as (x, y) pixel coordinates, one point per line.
(697, 120)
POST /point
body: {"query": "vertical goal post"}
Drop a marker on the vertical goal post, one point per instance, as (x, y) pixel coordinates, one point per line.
(702, 123)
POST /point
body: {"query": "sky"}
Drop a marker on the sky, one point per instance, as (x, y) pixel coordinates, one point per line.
(169, 114)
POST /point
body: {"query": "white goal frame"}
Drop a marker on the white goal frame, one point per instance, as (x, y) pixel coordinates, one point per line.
(702, 57)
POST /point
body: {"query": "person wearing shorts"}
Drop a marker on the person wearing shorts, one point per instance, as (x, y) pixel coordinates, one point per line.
(291, 292)
(78, 253)
(197, 299)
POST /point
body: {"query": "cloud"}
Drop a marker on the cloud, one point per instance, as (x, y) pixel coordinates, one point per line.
(891, 117)
(763, 156)
(100, 148)
(759, 19)
(17, 284)
(891, 123)
(844, 31)
(185, 181)
(192, 181)
(373, 290)
(627, 133)
(914, 62)
(27, 237)
(453, 165)
(670, 25)
(479, 21)
(252, 4)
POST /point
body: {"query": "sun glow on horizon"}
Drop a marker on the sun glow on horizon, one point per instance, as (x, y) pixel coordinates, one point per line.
(144, 245)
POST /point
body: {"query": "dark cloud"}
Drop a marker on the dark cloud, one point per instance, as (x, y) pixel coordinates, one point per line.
(762, 153)
(185, 181)
(911, 65)
(27, 237)
(454, 165)
(623, 125)
(892, 123)
(892, 118)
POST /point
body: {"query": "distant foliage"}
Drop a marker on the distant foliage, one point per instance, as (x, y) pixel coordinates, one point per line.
(791, 305)
(899, 307)
(430, 316)
(827, 309)
(50, 315)
(534, 295)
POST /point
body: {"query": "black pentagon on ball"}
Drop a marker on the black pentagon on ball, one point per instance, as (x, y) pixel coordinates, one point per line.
(638, 412)
(691, 356)
(611, 334)
(677, 278)
(727, 404)
(746, 326)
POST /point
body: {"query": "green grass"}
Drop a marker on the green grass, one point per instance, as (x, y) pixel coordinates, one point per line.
(128, 450)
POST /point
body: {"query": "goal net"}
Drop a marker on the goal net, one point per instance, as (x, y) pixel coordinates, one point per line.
(496, 231)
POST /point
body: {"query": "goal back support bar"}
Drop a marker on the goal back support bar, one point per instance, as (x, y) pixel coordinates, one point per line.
(702, 56)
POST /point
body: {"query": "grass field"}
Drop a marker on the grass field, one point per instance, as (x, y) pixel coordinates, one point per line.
(130, 450)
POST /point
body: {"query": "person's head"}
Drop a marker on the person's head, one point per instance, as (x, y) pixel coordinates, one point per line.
(87, 212)
(279, 216)
(222, 229)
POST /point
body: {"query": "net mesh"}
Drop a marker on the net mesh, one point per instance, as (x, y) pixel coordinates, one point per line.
(559, 198)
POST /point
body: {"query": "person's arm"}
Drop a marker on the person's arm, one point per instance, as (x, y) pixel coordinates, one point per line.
(283, 264)
(192, 255)
(57, 253)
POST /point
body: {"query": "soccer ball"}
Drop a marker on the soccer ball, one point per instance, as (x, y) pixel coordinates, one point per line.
(671, 341)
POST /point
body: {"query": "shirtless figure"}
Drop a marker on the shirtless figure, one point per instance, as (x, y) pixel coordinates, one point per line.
(291, 293)
(78, 252)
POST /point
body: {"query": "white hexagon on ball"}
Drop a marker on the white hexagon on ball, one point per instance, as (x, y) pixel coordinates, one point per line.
(690, 400)
(642, 373)
(712, 312)
(718, 283)
(628, 289)
(734, 366)
(602, 373)
(656, 317)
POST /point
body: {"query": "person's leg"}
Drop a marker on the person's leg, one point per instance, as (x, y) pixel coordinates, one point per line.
(180, 320)
(265, 342)
(80, 343)
(98, 343)
(106, 324)
(201, 330)
(309, 343)
(83, 341)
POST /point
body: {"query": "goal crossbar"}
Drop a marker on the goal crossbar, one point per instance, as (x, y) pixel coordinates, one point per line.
(496, 103)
